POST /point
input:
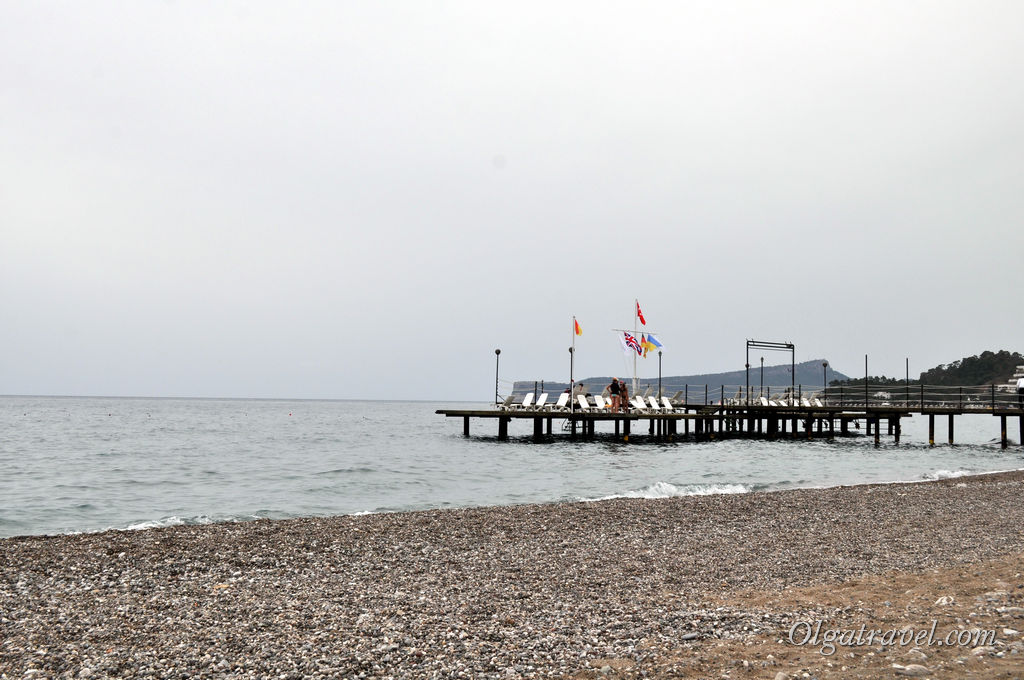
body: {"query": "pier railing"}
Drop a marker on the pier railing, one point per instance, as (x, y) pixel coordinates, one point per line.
(915, 396)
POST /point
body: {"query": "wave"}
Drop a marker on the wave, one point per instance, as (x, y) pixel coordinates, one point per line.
(945, 474)
(174, 521)
(668, 490)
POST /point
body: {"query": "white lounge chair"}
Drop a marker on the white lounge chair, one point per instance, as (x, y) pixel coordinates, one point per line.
(763, 401)
(543, 399)
(561, 404)
(666, 405)
(599, 402)
(527, 401)
(583, 403)
(817, 402)
(638, 404)
(804, 402)
(507, 403)
(654, 404)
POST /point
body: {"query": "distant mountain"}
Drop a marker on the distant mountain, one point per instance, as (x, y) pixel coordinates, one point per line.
(808, 373)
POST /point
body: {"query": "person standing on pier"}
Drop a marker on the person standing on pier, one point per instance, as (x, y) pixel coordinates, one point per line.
(614, 389)
(1020, 393)
(623, 397)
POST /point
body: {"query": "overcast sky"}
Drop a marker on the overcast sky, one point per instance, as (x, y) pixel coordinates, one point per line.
(365, 199)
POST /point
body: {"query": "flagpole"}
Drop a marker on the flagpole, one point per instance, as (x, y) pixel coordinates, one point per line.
(572, 358)
(636, 312)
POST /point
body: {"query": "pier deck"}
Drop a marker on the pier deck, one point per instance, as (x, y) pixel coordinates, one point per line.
(713, 421)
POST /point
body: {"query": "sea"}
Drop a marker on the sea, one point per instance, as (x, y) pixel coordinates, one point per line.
(73, 464)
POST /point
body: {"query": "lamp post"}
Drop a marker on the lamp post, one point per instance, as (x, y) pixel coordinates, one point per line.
(824, 380)
(659, 374)
(497, 354)
(906, 391)
(572, 382)
(747, 366)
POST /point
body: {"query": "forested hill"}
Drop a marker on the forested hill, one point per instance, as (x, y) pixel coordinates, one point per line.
(987, 368)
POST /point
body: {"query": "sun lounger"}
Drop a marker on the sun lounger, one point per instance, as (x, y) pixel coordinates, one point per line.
(600, 403)
(507, 403)
(527, 401)
(543, 399)
(562, 403)
(666, 404)
(654, 404)
(639, 404)
(583, 403)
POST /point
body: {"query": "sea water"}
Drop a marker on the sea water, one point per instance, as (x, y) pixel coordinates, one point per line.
(72, 464)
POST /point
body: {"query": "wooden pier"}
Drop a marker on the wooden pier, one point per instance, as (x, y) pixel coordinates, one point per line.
(716, 421)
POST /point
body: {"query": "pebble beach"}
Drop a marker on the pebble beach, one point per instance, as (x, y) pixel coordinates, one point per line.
(698, 586)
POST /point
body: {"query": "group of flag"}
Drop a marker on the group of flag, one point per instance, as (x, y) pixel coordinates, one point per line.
(647, 342)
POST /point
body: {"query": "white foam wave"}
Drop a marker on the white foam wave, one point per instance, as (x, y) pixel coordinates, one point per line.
(668, 490)
(174, 521)
(171, 521)
(946, 474)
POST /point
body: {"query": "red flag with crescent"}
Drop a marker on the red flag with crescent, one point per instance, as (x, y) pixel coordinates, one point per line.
(640, 314)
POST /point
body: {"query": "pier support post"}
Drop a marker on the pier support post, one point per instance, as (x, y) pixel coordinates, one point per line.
(931, 429)
(897, 427)
(572, 428)
(538, 429)
(950, 429)
(616, 427)
(465, 426)
(625, 429)
(503, 427)
(1002, 431)
(1020, 425)
(878, 431)
(844, 426)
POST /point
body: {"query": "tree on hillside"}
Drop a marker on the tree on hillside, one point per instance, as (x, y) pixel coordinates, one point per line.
(982, 369)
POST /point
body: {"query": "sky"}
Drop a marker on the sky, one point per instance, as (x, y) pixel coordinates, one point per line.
(365, 199)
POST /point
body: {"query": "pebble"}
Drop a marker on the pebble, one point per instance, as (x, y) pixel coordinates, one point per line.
(531, 591)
